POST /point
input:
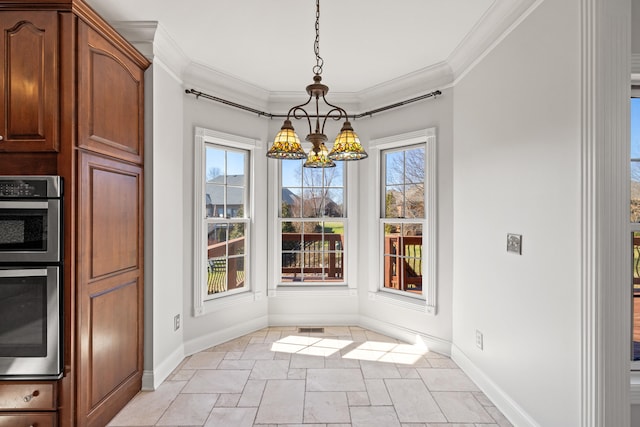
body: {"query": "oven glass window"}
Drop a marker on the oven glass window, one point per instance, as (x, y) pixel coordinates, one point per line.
(23, 230)
(23, 316)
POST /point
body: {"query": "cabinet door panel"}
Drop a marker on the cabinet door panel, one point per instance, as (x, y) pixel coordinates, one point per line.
(110, 98)
(29, 87)
(110, 285)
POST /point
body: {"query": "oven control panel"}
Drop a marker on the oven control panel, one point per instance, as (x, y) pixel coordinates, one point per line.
(30, 187)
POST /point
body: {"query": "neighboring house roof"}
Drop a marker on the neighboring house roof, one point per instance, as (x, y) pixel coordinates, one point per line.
(235, 185)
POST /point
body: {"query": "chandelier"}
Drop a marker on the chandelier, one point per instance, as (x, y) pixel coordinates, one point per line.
(286, 144)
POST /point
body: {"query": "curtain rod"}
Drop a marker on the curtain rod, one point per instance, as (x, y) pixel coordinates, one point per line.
(369, 113)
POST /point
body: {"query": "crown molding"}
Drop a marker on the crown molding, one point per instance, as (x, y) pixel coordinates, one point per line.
(154, 42)
(438, 76)
(498, 21)
(225, 86)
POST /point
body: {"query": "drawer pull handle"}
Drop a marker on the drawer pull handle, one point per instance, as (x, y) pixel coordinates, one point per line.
(31, 396)
(1, 138)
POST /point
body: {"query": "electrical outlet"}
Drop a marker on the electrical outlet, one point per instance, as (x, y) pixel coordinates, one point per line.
(176, 322)
(479, 343)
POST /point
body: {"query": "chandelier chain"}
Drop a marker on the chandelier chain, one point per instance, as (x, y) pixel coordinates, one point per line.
(317, 69)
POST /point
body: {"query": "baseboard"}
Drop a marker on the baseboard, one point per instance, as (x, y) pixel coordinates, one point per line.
(151, 380)
(509, 408)
(209, 340)
(313, 320)
(435, 344)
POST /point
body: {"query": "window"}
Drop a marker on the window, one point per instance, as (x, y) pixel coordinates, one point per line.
(407, 214)
(226, 203)
(403, 215)
(312, 223)
(223, 216)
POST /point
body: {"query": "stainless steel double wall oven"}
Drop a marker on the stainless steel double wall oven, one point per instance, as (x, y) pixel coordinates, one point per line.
(31, 277)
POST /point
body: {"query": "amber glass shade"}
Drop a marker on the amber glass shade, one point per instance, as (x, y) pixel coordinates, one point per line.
(347, 145)
(320, 159)
(286, 144)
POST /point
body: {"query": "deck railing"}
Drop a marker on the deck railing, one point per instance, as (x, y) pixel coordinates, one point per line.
(220, 263)
(312, 256)
(404, 251)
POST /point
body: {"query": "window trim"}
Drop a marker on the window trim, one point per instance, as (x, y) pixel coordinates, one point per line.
(428, 300)
(202, 302)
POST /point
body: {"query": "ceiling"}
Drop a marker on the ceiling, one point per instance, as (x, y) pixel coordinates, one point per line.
(364, 43)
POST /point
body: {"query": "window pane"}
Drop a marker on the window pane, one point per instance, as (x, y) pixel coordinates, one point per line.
(291, 203)
(216, 275)
(291, 173)
(237, 239)
(235, 273)
(235, 202)
(214, 200)
(334, 177)
(394, 202)
(402, 259)
(312, 177)
(414, 207)
(291, 237)
(236, 166)
(215, 165)
(334, 235)
(291, 271)
(394, 167)
(313, 206)
(333, 203)
(217, 236)
(414, 166)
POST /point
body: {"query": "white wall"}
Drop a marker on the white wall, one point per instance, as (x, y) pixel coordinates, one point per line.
(226, 323)
(433, 112)
(164, 240)
(517, 170)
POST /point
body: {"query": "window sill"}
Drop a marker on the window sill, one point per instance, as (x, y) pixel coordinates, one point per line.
(403, 301)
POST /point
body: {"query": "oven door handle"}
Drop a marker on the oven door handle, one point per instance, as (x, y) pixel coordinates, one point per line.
(24, 273)
(23, 205)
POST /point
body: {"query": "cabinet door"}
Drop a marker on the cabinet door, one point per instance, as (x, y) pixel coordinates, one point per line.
(110, 288)
(110, 98)
(29, 107)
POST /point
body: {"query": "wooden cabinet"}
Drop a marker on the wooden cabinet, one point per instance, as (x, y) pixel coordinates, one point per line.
(109, 124)
(29, 93)
(72, 104)
(110, 297)
(27, 404)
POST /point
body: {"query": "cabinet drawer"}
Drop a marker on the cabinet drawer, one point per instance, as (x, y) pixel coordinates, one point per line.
(43, 419)
(27, 396)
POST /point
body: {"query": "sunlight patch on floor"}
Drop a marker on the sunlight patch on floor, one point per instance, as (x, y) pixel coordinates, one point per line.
(405, 354)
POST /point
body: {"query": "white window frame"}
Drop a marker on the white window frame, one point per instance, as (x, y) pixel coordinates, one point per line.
(202, 301)
(633, 227)
(278, 236)
(426, 301)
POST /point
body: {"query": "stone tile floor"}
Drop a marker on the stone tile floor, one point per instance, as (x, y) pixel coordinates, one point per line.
(346, 376)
